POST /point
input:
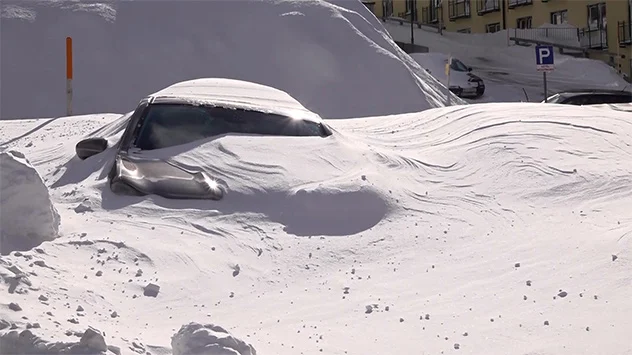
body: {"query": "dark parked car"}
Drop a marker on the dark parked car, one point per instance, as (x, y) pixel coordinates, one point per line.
(191, 111)
(591, 97)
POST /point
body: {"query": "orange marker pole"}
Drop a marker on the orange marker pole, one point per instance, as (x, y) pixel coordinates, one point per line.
(68, 76)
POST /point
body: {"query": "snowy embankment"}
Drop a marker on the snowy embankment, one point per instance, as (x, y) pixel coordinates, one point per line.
(508, 69)
(27, 216)
(333, 56)
(486, 232)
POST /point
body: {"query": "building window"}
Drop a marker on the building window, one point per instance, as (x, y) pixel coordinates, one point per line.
(597, 16)
(515, 3)
(486, 6)
(388, 8)
(523, 22)
(492, 27)
(624, 34)
(465, 30)
(432, 13)
(559, 17)
(595, 36)
(458, 9)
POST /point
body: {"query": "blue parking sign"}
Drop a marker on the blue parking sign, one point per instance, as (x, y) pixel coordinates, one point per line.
(544, 58)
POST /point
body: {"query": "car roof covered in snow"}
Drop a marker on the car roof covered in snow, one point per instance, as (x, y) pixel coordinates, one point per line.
(573, 92)
(233, 93)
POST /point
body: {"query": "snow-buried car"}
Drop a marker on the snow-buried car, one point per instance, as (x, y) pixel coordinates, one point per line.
(192, 111)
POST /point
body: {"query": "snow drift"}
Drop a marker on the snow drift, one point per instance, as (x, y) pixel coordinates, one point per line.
(209, 339)
(27, 215)
(498, 228)
(334, 58)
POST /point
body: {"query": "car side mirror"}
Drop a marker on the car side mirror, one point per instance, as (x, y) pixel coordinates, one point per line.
(469, 68)
(90, 146)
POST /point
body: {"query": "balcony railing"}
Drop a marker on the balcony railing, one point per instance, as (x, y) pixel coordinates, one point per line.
(486, 6)
(593, 38)
(624, 33)
(430, 15)
(561, 36)
(515, 3)
(458, 9)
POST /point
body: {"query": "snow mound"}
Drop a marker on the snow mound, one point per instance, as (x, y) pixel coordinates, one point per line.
(334, 199)
(27, 216)
(334, 57)
(209, 339)
(92, 342)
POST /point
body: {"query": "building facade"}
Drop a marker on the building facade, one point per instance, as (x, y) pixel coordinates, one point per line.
(599, 28)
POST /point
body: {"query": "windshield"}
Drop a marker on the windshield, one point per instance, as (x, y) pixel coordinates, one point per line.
(457, 65)
(166, 125)
(554, 99)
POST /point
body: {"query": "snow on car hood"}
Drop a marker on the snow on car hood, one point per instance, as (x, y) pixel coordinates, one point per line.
(250, 163)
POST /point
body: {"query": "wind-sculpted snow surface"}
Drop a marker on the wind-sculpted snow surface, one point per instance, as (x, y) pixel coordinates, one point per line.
(336, 59)
(455, 229)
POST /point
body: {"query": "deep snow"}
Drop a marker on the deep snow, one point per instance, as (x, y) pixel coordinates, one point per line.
(27, 216)
(499, 232)
(508, 69)
(466, 229)
(333, 56)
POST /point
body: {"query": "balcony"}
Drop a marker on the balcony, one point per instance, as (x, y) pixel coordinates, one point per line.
(458, 9)
(567, 37)
(430, 15)
(487, 6)
(512, 4)
(624, 33)
(593, 38)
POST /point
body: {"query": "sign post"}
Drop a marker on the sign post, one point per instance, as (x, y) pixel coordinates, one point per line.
(447, 74)
(544, 63)
(68, 76)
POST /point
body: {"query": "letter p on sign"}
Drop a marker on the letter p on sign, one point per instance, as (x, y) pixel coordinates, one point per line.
(543, 52)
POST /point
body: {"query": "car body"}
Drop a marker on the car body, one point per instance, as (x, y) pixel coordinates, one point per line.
(192, 111)
(463, 82)
(590, 97)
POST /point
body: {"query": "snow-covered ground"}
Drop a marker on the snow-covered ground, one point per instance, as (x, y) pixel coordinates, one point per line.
(506, 68)
(334, 56)
(462, 229)
(465, 228)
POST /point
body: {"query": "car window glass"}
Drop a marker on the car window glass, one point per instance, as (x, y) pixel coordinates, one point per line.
(457, 65)
(554, 99)
(167, 125)
(576, 100)
(596, 99)
(623, 99)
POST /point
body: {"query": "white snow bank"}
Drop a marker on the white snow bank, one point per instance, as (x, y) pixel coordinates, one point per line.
(209, 339)
(334, 58)
(496, 211)
(311, 185)
(27, 216)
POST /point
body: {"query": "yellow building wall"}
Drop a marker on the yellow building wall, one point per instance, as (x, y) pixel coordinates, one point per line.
(540, 12)
(616, 10)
